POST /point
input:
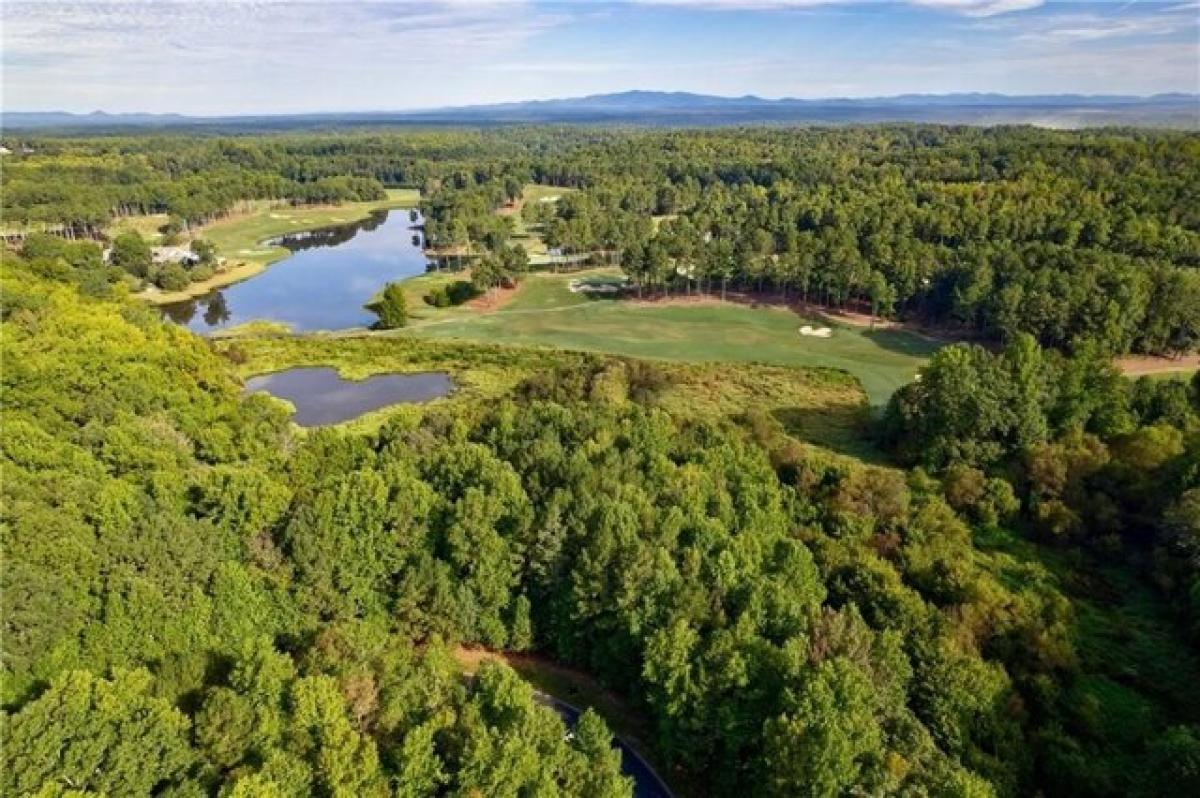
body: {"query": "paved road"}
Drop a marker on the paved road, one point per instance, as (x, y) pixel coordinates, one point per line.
(646, 783)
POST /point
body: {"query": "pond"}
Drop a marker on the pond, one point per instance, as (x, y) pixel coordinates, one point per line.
(322, 285)
(321, 396)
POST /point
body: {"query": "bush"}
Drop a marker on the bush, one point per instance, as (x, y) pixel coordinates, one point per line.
(131, 253)
(456, 293)
(172, 277)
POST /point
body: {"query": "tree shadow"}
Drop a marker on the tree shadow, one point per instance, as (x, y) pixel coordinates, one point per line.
(845, 428)
(905, 342)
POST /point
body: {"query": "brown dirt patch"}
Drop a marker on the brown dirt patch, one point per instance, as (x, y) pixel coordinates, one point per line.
(511, 208)
(494, 299)
(1140, 365)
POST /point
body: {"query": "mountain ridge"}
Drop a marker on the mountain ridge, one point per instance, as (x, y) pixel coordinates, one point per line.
(689, 108)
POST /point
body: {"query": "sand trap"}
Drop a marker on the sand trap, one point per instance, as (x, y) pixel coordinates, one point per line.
(578, 286)
(816, 332)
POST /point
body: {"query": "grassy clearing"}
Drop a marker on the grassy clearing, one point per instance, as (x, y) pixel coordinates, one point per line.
(146, 226)
(544, 312)
(825, 407)
(529, 236)
(239, 239)
(536, 192)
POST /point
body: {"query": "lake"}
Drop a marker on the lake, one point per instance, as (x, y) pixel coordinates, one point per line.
(322, 285)
(323, 397)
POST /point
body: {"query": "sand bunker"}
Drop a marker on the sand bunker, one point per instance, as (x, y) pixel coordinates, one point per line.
(816, 332)
(579, 286)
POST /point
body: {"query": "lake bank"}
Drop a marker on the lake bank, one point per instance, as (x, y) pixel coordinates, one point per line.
(329, 276)
(241, 239)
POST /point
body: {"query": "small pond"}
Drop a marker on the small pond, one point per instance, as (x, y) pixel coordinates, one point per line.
(323, 397)
(323, 284)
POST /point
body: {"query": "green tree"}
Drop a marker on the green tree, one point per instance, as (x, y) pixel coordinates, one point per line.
(205, 250)
(98, 736)
(131, 253)
(391, 307)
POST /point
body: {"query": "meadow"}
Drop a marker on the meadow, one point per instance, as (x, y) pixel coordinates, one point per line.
(545, 312)
(823, 407)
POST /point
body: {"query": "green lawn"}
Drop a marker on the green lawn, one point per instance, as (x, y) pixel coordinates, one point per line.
(147, 226)
(546, 313)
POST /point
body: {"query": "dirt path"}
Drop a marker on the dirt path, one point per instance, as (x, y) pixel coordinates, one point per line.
(1141, 365)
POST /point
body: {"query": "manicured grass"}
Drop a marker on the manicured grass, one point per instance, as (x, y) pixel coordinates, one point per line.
(545, 312)
(240, 238)
(536, 192)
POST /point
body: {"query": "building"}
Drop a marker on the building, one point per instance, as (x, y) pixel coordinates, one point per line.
(180, 255)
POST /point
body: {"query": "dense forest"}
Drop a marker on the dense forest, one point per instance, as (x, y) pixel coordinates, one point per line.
(1072, 237)
(201, 599)
(1002, 599)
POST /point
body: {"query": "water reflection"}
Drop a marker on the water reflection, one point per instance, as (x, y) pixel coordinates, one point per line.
(321, 396)
(323, 285)
(328, 236)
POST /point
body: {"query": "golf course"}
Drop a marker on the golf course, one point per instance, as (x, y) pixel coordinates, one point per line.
(543, 311)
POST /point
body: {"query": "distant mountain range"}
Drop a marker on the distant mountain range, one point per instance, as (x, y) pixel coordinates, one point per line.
(686, 109)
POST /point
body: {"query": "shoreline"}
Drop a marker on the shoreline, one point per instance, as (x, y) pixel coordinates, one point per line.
(244, 269)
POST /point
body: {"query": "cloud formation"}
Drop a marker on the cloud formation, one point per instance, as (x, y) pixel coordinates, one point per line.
(280, 56)
(978, 8)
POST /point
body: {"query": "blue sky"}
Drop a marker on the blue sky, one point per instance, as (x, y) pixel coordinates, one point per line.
(281, 56)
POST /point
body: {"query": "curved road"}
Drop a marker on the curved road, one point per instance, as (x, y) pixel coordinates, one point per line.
(646, 783)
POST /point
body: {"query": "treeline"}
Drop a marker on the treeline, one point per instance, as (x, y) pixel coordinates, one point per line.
(83, 187)
(1094, 459)
(1071, 237)
(1068, 236)
(199, 600)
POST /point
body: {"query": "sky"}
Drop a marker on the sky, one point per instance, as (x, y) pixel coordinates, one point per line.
(214, 57)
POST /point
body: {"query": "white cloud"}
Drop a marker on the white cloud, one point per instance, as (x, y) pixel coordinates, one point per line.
(220, 56)
(975, 8)
(1066, 27)
(980, 8)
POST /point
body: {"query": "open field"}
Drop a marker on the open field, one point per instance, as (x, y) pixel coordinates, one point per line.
(239, 238)
(146, 226)
(545, 312)
(823, 407)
